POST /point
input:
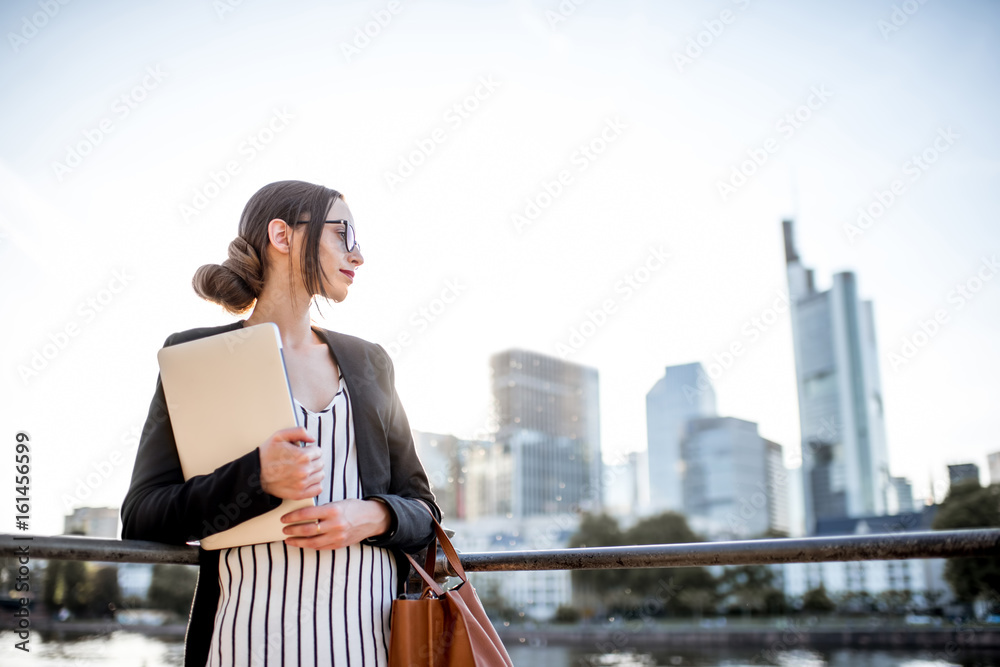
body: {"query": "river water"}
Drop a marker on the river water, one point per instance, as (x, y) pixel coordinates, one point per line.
(128, 649)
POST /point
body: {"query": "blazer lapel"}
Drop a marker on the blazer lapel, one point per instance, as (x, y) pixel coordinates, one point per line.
(368, 405)
(363, 391)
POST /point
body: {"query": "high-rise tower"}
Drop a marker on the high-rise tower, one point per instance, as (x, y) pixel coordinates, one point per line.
(845, 463)
(683, 393)
(549, 425)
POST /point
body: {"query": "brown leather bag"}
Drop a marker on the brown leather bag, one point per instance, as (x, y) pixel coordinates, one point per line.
(443, 628)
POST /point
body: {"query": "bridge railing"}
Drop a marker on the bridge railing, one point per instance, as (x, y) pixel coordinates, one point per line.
(889, 546)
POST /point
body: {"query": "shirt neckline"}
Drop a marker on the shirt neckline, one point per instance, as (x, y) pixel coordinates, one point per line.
(341, 388)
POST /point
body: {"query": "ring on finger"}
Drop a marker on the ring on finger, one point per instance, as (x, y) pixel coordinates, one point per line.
(318, 529)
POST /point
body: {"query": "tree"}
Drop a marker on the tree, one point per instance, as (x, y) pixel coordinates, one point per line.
(76, 589)
(597, 530)
(894, 602)
(751, 589)
(645, 591)
(172, 588)
(8, 578)
(10, 597)
(52, 583)
(682, 590)
(698, 600)
(566, 614)
(969, 505)
(856, 602)
(816, 600)
(105, 594)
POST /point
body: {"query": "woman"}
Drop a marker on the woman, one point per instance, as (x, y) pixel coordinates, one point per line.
(323, 595)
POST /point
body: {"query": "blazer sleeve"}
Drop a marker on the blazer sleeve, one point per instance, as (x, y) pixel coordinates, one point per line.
(162, 507)
(409, 497)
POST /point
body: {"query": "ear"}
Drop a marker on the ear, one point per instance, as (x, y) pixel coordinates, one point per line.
(279, 233)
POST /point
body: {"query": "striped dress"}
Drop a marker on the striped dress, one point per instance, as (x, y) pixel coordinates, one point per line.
(297, 607)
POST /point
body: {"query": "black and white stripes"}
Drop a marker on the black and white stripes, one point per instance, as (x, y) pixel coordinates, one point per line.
(289, 606)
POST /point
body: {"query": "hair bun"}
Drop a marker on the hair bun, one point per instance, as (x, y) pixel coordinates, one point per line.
(236, 283)
(245, 262)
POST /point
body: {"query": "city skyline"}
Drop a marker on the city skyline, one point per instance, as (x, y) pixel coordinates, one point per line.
(562, 195)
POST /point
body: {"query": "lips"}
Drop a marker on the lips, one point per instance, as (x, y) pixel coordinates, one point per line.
(350, 274)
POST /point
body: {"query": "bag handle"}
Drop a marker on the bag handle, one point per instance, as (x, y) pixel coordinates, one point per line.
(431, 560)
(429, 583)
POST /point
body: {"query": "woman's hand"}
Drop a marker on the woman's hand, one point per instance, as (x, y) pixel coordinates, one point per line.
(337, 524)
(288, 470)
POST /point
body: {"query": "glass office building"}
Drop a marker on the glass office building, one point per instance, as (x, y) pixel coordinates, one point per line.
(682, 394)
(548, 427)
(844, 458)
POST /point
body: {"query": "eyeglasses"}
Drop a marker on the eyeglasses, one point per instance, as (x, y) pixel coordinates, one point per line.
(350, 240)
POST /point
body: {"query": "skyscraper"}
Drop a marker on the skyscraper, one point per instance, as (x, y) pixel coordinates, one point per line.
(683, 393)
(963, 472)
(548, 424)
(844, 457)
(900, 499)
(735, 485)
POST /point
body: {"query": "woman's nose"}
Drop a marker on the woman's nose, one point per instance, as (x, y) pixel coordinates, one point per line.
(357, 259)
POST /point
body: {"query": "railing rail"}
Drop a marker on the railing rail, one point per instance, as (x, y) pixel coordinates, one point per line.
(889, 546)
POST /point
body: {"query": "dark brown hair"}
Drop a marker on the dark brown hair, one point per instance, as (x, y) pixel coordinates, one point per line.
(237, 282)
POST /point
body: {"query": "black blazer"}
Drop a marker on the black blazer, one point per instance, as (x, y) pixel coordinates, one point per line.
(162, 507)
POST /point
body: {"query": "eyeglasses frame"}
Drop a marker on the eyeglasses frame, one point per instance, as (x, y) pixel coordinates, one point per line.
(347, 225)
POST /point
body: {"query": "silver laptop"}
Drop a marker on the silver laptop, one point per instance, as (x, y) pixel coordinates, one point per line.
(226, 395)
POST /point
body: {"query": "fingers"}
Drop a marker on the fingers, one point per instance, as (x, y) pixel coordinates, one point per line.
(308, 483)
(288, 470)
(305, 535)
(287, 453)
(339, 525)
(326, 512)
(293, 435)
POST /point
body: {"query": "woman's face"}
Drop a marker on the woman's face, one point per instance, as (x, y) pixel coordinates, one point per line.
(338, 264)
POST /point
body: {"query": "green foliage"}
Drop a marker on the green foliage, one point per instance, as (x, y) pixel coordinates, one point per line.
(566, 614)
(598, 530)
(816, 600)
(855, 602)
(172, 588)
(648, 592)
(105, 594)
(751, 589)
(75, 587)
(897, 603)
(8, 578)
(52, 584)
(969, 505)
(775, 602)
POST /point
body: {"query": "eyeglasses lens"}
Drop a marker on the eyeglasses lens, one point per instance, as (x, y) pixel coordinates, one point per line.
(349, 238)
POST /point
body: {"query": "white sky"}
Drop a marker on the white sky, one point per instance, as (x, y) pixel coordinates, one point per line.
(557, 87)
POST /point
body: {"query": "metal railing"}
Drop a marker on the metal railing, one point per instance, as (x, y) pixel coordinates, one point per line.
(889, 546)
